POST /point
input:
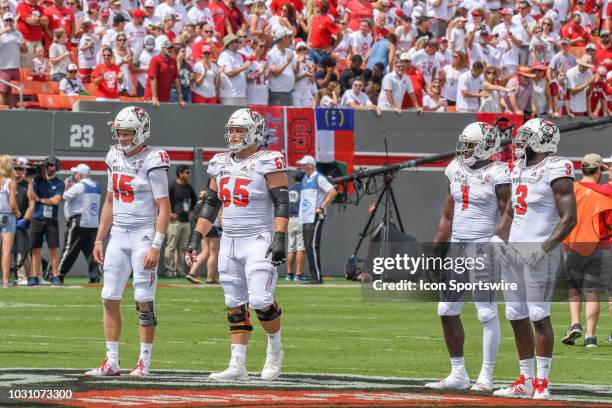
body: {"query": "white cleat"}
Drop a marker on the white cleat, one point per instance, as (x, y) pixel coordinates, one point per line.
(521, 388)
(235, 372)
(482, 386)
(141, 370)
(540, 389)
(273, 365)
(106, 369)
(451, 382)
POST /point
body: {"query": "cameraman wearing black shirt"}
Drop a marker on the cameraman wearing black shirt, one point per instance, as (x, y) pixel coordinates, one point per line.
(182, 200)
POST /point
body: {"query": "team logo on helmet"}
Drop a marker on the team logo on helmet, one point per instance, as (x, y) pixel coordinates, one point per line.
(548, 131)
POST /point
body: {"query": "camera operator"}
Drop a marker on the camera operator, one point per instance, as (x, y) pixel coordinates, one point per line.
(21, 246)
(45, 192)
(81, 209)
(316, 194)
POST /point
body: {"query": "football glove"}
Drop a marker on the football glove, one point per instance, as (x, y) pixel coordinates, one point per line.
(191, 250)
(534, 258)
(277, 248)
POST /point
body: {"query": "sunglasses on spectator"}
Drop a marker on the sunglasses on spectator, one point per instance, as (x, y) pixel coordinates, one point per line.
(490, 73)
(605, 36)
(19, 168)
(120, 39)
(358, 85)
(73, 70)
(537, 31)
(206, 53)
(4, 8)
(548, 24)
(208, 31)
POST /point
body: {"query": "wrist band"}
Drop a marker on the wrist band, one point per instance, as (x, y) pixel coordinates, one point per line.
(158, 241)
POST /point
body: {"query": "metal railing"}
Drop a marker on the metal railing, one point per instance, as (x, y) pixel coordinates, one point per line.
(18, 88)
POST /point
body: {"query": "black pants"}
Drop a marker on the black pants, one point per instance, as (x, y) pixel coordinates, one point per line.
(78, 239)
(312, 242)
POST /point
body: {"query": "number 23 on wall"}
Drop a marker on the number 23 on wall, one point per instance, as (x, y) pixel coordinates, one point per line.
(81, 136)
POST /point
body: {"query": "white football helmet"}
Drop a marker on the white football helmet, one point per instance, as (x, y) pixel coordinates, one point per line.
(132, 118)
(478, 141)
(252, 122)
(540, 134)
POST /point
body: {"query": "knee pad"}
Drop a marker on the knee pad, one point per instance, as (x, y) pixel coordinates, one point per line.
(516, 311)
(146, 313)
(538, 311)
(271, 313)
(240, 322)
(449, 308)
(487, 313)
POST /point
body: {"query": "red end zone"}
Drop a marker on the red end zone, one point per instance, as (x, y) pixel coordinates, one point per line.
(301, 398)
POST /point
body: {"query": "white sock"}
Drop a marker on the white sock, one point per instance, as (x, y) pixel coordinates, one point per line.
(145, 353)
(112, 351)
(544, 364)
(274, 340)
(239, 353)
(491, 336)
(526, 367)
(458, 367)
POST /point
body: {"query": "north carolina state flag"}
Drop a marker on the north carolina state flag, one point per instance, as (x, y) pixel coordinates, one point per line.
(335, 139)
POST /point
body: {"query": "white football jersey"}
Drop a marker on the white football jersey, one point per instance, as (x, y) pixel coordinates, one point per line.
(476, 205)
(133, 193)
(247, 205)
(533, 200)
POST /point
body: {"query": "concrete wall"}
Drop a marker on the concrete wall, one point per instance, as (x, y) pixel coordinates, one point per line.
(419, 192)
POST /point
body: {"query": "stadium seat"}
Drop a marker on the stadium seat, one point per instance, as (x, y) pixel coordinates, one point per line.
(26, 87)
(25, 74)
(46, 88)
(3, 107)
(68, 101)
(451, 109)
(91, 88)
(130, 99)
(50, 102)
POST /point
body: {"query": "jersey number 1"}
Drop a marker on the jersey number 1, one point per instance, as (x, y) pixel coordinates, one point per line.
(122, 189)
(465, 195)
(240, 195)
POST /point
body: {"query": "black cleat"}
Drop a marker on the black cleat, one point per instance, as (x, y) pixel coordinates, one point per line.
(574, 332)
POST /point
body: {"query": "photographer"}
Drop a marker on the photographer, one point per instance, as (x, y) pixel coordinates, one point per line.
(45, 193)
(316, 194)
(82, 196)
(21, 246)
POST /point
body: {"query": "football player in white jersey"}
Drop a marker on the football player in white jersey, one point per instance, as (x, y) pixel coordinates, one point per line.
(252, 187)
(478, 191)
(540, 215)
(137, 213)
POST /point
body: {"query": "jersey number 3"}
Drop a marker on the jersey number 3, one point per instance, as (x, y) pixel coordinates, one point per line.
(240, 195)
(521, 195)
(122, 189)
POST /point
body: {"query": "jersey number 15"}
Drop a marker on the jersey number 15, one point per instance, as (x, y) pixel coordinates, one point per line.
(239, 195)
(122, 187)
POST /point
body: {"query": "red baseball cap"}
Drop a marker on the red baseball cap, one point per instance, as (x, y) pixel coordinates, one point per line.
(138, 13)
(539, 67)
(104, 12)
(399, 13)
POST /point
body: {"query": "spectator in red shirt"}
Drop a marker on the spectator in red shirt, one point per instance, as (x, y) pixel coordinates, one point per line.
(33, 24)
(277, 5)
(596, 99)
(234, 21)
(219, 15)
(323, 33)
(608, 91)
(417, 80)
(357, 11)
(207, 39)
(575, 32)
(603, 54)
(60, 17)
(163, 72)
(107, 77)
(169, 22)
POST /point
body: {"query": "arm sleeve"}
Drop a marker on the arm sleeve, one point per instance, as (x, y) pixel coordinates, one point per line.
(271, 162)
(560, 168)
(159, 183)
(502, 175)
(324, 184)
(74, 191)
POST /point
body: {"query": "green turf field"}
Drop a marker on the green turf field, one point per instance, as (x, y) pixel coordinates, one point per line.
(325, 330)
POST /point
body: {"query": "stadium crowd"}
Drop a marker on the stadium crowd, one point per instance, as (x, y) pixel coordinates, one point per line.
(546, 57)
